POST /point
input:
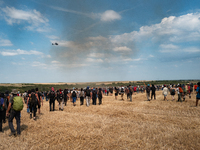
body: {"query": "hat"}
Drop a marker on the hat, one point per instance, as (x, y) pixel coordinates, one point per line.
(14, 91)
(88, 87)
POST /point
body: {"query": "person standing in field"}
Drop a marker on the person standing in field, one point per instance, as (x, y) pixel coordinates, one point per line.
(88, 96)
(172, 92)
(116, 92)
(94, 96)
(100, 96)
(180, 92)
(81, 96)
(39, 99)
(148, 89)
(198, 93)
(33, 101)
(60, 100)
(2, 108)
(65, 96)
(130, 91)
(153, 91)
(51, 96)
(122, 92)
(74, 96)
(15, 105)
(165, 92)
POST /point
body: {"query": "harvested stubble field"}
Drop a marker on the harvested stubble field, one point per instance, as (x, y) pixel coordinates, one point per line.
(115, 124)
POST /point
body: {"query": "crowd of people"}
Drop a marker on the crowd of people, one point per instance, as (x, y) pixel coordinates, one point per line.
(12, 104)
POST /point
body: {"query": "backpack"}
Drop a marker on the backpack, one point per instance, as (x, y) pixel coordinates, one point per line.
(87, 92)
(33, 99)
(61, 96)
(1, 105)
(18, 104)
(148, 89)
(122, 90)
(99, 94)
(73, 94)
(94, 93)
(173, 91)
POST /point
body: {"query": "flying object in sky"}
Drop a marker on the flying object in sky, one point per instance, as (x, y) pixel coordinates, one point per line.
(54, 43)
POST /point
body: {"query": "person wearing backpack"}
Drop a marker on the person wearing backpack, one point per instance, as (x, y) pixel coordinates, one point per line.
(52, 96)
(74, 97)
(15, 105)
(81, 97)
(122, 92)
(87, 96)
(33, 101)
(94, 96)
(198, 93)
(148, 89)
(39, 99)
(2, 108)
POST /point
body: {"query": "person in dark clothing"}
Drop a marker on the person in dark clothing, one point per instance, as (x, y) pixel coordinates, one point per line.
(65, 96)
(94, 96)
(81, 96)
(33, 101)
(100, 96)
(153, 91)
(51, 96)
(2, 106)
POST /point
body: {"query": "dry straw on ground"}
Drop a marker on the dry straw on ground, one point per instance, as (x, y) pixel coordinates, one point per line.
(115, 124)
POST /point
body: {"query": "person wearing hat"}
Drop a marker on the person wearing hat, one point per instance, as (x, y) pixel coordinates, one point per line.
(198, 93)
(13, 114)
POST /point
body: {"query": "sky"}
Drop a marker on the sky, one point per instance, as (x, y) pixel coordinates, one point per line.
(99, 40)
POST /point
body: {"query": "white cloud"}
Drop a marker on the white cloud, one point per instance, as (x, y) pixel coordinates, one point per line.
(19, 52)
(94, 60)
(5, 42)
(48, 56)
(121, 49)
(180, 50)
(169, 46)
(184, 28)
(55, 62)
(110, 15)
(151, 55)
(33, 17)
(96, 55)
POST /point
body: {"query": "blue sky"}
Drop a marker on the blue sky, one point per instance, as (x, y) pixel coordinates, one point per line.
(99, 40)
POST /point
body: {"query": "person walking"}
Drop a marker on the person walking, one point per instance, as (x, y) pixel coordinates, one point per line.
(130, 92)
(172, 92)
(94, 96)
(51, 95)
(165, 92)
(198, 93)
(33, 101)
(100, 96)
(15, 105)
(2, 108)
(148, 89)
(81, 96)
(153, 91)
(88, 95)
(60, 100)
(74, 96)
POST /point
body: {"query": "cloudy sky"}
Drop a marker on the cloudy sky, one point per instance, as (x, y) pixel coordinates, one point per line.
(99, 40)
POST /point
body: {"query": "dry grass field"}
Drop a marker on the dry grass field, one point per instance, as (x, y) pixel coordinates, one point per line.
(115, 124)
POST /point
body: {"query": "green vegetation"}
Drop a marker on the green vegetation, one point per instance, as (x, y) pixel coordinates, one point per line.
(47, 87)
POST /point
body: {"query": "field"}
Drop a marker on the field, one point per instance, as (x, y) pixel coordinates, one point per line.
(115, 124)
